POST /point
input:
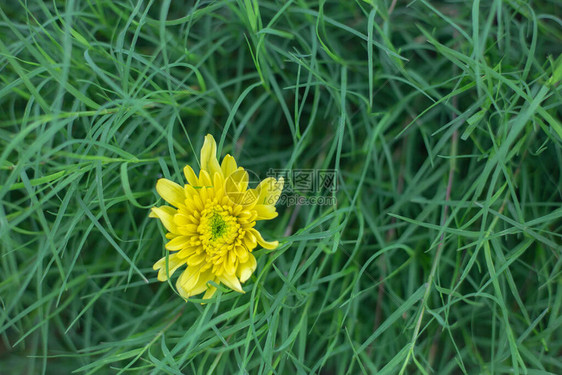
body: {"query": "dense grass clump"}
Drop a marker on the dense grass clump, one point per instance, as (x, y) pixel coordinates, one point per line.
(441, 120)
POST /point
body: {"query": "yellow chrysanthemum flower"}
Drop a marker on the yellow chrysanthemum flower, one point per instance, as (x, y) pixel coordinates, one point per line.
(211, 229)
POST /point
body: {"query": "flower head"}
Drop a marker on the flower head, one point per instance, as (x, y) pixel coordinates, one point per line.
(211, 224)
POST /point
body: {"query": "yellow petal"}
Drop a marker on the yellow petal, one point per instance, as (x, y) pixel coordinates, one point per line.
(209, 160)
(181, 220)
(171, 192)
(174, 262)
(231, 281)
(236, 185)
(237, 181)
(190, 176)
(205, 178)
(246, 269)
(178, 243)
(250, 198)
(195, 259)
(181, 290)
(228, 165)
(190, 229)
(250, 242)
(270, 190)
(199, 287)
(218, 186)
(263, 243)
(242, 253)
(265, 212)
(166, 216)
(188, 280)
(190, 192)
(210, 292)
(185, 253)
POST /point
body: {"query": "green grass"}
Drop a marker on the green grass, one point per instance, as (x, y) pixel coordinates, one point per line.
(442, 119)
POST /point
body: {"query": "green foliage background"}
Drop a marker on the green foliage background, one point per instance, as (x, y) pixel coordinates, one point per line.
(442, 119)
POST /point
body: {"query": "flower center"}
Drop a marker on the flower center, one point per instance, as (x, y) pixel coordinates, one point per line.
(218, 229)
(218, 226)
